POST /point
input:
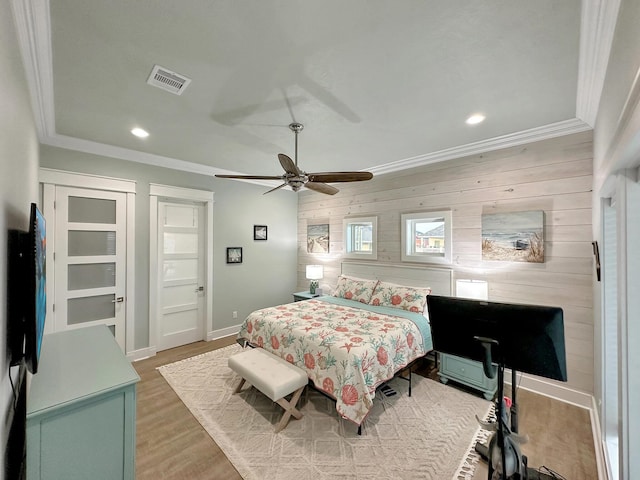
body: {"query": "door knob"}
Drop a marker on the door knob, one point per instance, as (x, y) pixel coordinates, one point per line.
(118, 300)
(200, 289)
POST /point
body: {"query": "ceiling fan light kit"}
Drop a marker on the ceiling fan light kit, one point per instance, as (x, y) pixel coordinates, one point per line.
(295, 178)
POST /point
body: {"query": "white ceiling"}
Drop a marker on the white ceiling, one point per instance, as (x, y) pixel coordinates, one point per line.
(379, 85)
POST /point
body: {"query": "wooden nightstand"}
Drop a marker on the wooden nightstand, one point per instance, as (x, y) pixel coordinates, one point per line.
(299, 296)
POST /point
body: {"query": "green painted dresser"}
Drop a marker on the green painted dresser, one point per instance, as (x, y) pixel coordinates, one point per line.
(81, 409)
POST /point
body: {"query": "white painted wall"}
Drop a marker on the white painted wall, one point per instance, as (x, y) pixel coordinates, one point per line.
(18, 179)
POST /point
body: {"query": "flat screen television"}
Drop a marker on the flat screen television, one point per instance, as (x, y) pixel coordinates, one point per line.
(37, 279)
(530, 337)
(27, 300)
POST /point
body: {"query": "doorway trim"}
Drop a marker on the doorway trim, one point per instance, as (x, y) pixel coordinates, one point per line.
(50, 179)
(159, 192)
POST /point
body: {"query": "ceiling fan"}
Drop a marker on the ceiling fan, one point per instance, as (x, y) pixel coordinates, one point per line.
(296, 178)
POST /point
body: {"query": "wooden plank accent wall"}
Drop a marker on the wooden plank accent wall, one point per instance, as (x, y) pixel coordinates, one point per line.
(552, 175)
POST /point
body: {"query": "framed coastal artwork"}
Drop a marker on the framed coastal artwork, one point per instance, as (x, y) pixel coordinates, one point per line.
(318, 238)
(513, 237)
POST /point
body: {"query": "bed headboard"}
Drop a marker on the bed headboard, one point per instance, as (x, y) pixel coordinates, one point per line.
(440, 280)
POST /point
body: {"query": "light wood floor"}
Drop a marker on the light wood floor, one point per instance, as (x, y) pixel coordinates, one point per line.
(171, 444)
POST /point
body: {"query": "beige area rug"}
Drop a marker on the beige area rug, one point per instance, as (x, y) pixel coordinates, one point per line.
(429, 435)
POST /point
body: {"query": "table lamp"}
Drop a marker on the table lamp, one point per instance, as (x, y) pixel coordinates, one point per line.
(475, 289)
(314, 273)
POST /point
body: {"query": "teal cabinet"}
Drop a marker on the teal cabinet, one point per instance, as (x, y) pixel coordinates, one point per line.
(467, 372)
(81, 409)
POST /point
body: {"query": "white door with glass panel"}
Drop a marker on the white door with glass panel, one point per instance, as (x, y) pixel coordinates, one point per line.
(181, 274)
(90, 260)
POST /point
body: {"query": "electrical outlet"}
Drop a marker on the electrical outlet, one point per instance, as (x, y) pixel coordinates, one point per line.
(235, 314)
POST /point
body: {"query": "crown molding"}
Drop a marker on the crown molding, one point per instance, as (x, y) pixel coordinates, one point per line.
(544, 132)
(33, 26)
(112, 151)
(597, 27)
(102, 149)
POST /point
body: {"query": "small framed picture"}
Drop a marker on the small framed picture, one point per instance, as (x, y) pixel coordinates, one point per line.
(259, 232)
(234, 254)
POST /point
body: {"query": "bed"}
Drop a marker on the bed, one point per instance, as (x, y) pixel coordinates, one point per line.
(354, 340)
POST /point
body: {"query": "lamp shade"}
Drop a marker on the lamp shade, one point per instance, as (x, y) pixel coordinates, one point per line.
(314, 272)
(476, 289)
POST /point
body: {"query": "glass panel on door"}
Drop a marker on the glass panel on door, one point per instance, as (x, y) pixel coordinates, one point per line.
(91, 275)
(84, 243)
(90, 309)
(92, 210)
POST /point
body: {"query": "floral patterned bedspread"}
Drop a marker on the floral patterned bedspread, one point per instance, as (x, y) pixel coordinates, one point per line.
(347, 348)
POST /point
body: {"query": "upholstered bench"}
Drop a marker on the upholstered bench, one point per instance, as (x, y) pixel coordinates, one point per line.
(273, 376)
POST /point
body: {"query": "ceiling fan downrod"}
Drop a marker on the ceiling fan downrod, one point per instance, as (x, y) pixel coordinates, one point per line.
(296, 128)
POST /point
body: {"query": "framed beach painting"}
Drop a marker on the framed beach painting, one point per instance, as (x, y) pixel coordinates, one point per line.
(318, 238)
(513, 237)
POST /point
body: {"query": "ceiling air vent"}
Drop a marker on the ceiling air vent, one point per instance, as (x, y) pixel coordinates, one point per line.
(167, 80)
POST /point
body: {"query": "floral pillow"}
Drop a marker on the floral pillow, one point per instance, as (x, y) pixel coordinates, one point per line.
(356, 289)
(413, 299)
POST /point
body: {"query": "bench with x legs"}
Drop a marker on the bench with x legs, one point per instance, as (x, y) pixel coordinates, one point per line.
(273, 376)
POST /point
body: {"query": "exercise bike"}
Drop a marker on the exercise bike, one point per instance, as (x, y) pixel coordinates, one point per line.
(503, 455)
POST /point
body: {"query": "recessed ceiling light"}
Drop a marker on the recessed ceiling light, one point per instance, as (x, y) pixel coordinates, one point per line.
(139, 132)
(475, 118)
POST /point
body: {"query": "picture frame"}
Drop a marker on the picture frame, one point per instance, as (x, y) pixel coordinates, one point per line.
(234, 254)
(513, 236)
(318, 238)
(259, 232)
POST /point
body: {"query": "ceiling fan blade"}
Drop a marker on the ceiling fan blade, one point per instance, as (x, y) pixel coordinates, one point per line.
(274, 189)
(252, 177)
(321, 188)
(332, 177)
(288, 164)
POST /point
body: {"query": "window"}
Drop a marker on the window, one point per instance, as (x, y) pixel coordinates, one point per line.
(360, 237)
(426, 237)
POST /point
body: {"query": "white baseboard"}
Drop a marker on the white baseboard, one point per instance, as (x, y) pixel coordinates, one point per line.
(141, 354)
(147, 352)
(223, 332)
(551, 389)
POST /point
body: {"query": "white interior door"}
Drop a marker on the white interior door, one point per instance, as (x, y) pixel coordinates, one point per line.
(90, 260)
(181, 289)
